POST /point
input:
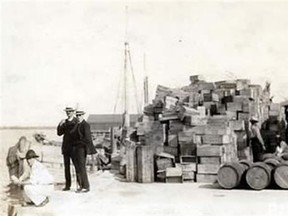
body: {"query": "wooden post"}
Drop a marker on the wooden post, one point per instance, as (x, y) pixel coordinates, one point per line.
(145, 164)
(131, 165)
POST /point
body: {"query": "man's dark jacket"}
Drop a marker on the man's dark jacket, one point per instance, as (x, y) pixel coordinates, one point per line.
(65, 129)
(82, 137)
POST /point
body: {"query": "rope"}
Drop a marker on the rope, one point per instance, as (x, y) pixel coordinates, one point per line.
(134, 83)
(118, 93)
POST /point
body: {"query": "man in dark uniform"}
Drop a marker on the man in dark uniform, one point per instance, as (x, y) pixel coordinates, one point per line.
(64, 128)
(82, 145)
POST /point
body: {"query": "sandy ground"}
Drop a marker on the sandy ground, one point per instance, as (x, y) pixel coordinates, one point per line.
(110, 196)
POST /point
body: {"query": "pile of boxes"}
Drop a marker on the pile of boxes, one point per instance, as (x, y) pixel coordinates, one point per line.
(203, 125)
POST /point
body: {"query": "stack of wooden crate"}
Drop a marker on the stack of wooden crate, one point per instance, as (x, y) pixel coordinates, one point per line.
(217, 145)
(188, 165)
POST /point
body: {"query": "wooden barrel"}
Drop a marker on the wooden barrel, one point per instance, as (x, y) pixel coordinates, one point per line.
(281, 175)
(272, 162)
(246, 164)
(258, 176)
(229, 175)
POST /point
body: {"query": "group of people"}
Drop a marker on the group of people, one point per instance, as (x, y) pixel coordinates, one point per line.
(27, 171)
(77, 143)
(259, 148)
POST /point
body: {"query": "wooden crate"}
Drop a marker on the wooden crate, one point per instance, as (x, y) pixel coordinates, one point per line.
(174, 179)
(237, 125)
(243, 116)
(188, 175)
(172, 140)
(234, 106)
(185, 137)
(220, 119)
(171, 150)
(207, 168)
(173, 171)
(187, 167)
(206, 178)
(210, 150)
(217, 129)
(216, 139)
(131, 165)
(163, 163)
(197, 120)
(187, 159)
(145, 164)
(198, 129)
(197, 139)
(187, 149)
(211, 160)
(231, 115)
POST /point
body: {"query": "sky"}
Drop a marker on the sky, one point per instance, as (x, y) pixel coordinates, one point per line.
(60, 53)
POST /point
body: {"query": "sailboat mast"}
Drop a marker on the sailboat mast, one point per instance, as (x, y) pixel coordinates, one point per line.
(126, 96)
(146, 90)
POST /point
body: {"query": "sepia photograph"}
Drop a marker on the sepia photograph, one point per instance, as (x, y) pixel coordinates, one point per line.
(165, 108)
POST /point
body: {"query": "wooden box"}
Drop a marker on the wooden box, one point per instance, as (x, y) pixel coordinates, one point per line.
(197, 139)
(243, 116)
(173, 171)
(173, 141)
(234, 106)
(206, 178)
(207, 168)
(217, 129)
(174, 179)
(187, 159)
(163, 163)
(216, 139)
(210, 150)
(211, 160)
(131, 165)
(188, 175)
(187, 167)
(145, 164)
(171, 150)
(237, 125)
(187, 149)
(185, 137)
(231, 114)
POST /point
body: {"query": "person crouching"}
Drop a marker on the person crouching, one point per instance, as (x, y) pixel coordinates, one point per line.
(39, 184)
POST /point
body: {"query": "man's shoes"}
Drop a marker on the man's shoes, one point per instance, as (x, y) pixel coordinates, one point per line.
(44, 202)
(85, 190)
(78, 190)
(66, 189)
(82, 190)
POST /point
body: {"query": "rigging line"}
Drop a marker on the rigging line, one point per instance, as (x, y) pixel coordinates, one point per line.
(118, 92)
(134, 82)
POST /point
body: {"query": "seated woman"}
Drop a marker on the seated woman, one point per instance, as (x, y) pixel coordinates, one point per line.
(38, 185)
(16, 163)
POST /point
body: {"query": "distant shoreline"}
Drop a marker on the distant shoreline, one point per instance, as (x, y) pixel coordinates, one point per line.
(27, 127)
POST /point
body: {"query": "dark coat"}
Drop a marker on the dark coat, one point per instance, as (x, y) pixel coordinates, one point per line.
(65, 129)
(82, 137)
